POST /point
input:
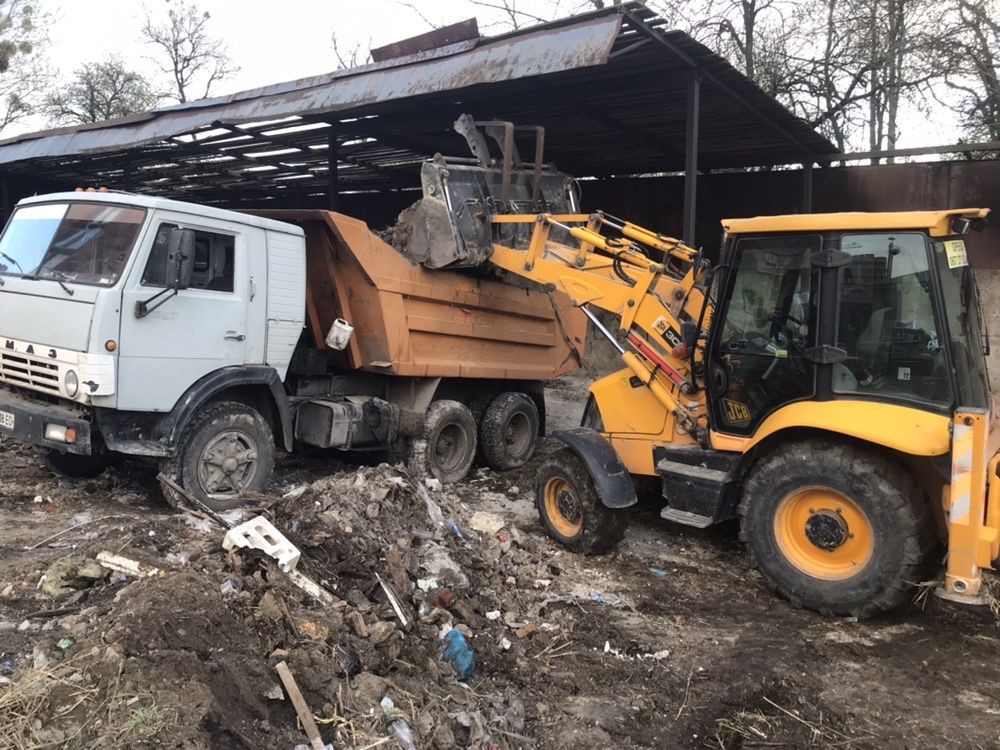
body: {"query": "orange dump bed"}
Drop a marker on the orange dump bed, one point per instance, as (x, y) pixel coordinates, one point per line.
(412, 321)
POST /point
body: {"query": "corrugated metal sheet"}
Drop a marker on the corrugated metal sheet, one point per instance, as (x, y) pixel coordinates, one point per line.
(608, 86)
(533, 54)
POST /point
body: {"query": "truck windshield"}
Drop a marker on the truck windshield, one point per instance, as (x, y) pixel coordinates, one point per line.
(964, 319)
(84, 243)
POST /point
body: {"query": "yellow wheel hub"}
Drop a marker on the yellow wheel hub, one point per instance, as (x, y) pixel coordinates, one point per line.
(563, 507)
(824, 534)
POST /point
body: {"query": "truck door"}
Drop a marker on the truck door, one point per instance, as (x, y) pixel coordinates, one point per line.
(201, 329)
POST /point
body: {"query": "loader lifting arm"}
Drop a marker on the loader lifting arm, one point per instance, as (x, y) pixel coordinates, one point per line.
(655, 285)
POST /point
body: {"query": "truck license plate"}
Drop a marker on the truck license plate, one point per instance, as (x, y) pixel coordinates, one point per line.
(6, 420)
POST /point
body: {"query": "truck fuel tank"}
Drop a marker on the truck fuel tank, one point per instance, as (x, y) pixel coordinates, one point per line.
(346, 423)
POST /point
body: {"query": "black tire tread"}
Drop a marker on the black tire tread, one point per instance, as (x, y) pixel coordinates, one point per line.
(492, 437)
(603, 528)
(905, 501)
(438, 413)
(172, 466)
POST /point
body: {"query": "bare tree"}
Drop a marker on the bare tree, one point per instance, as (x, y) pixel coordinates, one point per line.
(971, 46)
(188, 53)
(350, 56)
(100, 91)
(24, 72)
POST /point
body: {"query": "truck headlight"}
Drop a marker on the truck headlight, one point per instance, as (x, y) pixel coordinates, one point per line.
(71, 383)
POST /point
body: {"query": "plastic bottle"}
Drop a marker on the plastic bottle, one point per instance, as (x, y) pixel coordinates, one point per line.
(398, 727)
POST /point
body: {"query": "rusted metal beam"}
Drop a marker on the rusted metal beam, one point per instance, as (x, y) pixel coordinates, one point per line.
(691, 156)
(716, 82)
(457, 32)
(333, 177)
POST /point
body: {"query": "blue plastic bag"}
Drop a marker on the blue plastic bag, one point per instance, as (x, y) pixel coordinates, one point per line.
(459, 654)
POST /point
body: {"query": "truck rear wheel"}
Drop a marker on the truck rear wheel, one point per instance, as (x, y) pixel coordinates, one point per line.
(508, 431)
(570, 508)
(447, 447)
(837, 529)
(226, 451)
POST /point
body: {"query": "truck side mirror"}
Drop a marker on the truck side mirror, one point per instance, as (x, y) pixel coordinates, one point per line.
(180, 258)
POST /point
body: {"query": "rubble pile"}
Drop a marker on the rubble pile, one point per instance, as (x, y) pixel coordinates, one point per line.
(419, 631)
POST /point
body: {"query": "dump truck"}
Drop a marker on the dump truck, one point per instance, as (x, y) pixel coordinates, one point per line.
(825, 384)
(206, 339)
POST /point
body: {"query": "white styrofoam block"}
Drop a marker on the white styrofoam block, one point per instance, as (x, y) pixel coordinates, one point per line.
(259, 533)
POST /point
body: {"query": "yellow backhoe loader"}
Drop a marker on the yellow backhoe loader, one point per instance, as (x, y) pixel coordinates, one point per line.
(825, 383)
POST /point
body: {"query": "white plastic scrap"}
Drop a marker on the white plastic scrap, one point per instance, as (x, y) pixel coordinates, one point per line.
(259, 533)
(486, 523)
(622, 656)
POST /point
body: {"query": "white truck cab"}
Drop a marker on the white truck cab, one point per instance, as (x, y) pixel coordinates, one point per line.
(117, 311)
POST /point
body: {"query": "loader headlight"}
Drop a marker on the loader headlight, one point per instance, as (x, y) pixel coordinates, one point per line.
(71, 383)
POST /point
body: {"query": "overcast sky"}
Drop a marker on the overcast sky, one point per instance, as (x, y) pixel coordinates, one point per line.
(288, 39)
(270, 41)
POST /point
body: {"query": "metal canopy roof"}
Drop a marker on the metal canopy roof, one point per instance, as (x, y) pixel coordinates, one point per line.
(609, 87)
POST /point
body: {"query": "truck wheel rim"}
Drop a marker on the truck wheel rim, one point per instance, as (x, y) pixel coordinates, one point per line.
(228, 463)
(563, 507)
(824, 534)
(517, 434)
(450, 448)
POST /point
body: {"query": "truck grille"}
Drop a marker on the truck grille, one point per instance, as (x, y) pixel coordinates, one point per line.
(28, 371)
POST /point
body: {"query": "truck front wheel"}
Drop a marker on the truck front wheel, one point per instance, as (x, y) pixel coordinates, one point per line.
(226, 451)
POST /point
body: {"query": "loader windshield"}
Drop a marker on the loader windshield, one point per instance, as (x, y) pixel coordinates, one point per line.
(887, 325)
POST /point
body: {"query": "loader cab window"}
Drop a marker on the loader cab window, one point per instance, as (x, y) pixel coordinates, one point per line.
(886, 323)
(758, 361)
(214, 260)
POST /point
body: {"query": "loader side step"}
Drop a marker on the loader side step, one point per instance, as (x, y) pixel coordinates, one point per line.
(700, 486)
(686, 518)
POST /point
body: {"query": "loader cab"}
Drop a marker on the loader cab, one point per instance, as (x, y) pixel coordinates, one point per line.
(879, 307)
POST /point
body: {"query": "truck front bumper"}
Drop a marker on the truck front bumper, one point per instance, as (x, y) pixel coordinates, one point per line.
(28, 421)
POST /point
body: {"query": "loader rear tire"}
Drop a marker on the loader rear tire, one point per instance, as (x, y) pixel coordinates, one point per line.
(508, 431)
(447, 446)
(570, 508)
(837, 529)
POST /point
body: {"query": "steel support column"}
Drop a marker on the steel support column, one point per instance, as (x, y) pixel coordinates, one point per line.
(807, 188)
(691, 157)
(333, 189)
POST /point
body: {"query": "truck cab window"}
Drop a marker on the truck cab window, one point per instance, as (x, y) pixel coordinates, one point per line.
(214, 260)
(886, 321)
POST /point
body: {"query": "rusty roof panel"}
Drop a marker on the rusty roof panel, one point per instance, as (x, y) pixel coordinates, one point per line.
(537, 53)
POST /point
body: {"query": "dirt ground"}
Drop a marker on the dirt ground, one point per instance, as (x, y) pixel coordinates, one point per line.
(669, 642)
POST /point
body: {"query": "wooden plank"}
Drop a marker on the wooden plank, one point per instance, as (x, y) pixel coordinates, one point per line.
(301, 707)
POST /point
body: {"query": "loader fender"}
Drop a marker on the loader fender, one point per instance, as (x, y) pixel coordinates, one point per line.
(612, 481)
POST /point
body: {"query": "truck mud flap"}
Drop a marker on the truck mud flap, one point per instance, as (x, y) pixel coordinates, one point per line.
(612, 481)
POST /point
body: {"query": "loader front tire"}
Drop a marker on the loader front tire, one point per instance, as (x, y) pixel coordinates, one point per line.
(837, 529)
(570, 508)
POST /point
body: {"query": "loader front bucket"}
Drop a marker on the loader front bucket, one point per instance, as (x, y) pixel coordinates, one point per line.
(450, 227)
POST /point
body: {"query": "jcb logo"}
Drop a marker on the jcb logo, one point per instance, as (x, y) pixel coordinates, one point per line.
(736, 413)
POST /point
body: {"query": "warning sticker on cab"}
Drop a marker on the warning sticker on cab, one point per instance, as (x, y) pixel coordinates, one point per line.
(955, 250)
